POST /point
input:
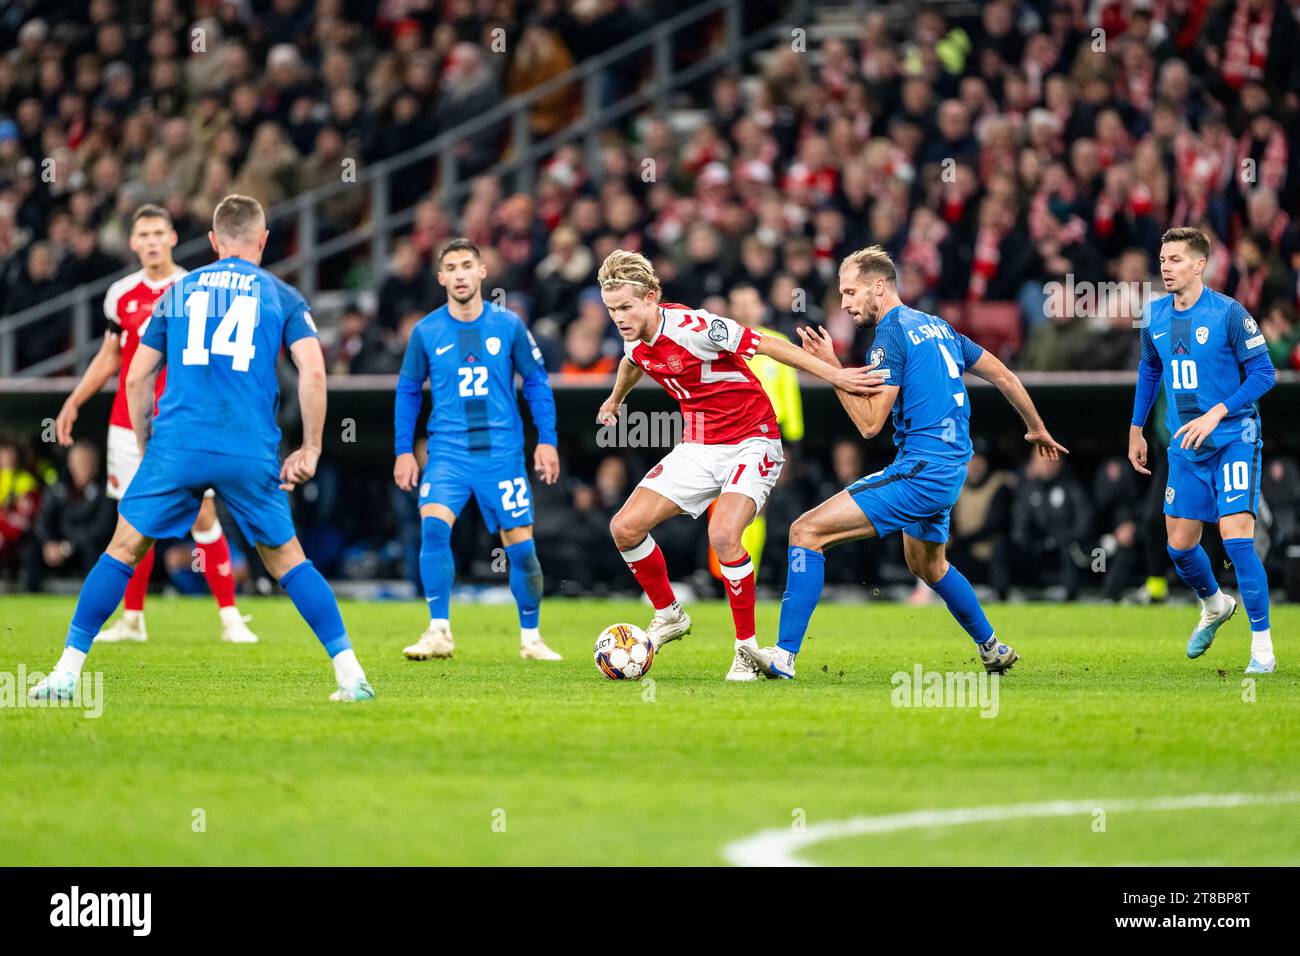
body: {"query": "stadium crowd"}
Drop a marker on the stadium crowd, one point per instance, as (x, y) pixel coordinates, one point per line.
(994, 154)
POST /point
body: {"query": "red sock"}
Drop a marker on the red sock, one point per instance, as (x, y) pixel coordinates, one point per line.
(651, 572)
(217, 568)
(739, 576)
(138, 586)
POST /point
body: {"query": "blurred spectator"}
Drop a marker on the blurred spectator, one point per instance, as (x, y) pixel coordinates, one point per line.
(582, 344)
(20, 502)
(38, 283)
(359, 347)
(1279, 328)
(408, 287)
(1050, 521)
(981, 518)
(77, 517)
(1116, 504)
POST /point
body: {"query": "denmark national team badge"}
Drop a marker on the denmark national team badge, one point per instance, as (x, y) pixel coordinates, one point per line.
(675, 364)
(656, 471)
(1202, 334)
(493, 345)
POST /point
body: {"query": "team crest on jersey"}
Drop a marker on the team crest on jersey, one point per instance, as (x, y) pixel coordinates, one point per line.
(1251, 325)
(656, 471)
(675, 364)
(132, 305)
(1202, 334)
(877, 356)
(1169, 494)
(717, 331)
(493, 345)
(306, 317)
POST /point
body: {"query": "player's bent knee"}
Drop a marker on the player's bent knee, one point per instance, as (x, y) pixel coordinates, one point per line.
(438, 511)
(725, 540)
(803, 534)
(626, 532)
(281, 560)
(511, 536)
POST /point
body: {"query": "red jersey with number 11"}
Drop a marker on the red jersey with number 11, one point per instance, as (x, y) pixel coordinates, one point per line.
(127, 306)
(701, 360)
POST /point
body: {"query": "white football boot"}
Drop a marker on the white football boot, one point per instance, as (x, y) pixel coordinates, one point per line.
(124, 629)
(669, 624)
(234, 627)
(59, 685)
(742, 666)
(1213, 616)
(354, 693)
(436, 641)
(772, 661)
(537, 651)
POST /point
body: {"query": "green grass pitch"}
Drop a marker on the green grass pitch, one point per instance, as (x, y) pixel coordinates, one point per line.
(216, 754)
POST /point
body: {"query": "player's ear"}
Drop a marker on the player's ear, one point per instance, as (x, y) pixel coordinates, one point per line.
(212, 238)
(261, 240)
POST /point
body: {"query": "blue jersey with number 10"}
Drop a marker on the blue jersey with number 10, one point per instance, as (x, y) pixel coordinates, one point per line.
(925, 358)
(221, 328)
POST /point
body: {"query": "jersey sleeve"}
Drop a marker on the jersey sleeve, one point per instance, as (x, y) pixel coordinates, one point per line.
(970, 351)
(722, 334)
(889, 353)
(298, 323)
(1243, 333)
(525, 354)
(154, 331)
(111, 298)
(1150, 369)
(415, 363)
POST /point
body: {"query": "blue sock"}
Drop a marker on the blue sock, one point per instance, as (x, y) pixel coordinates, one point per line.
(312, 596)
(437, 566)
(526, 581)
(803, 589)
(1194, 568)
(1252, 580)
(100, 595)
(963, 604)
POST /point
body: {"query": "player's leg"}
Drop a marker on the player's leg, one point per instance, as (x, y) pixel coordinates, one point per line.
(630, 528)
(444, 489)
(526, 587)
(1189, 501)
(123, 463)
(218, 570)
(315, 601)
(100, 594)
(731, 515)
(1238, 500)
(926, 555)
(754, 538)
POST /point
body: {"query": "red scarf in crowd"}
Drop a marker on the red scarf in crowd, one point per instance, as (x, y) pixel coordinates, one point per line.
(988, 256)
(1272, 165)
(1246, 51)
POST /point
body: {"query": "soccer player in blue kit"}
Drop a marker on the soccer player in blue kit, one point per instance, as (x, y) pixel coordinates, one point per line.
(1215, 365)
(219, 331)
(470, 352)
(921, 360)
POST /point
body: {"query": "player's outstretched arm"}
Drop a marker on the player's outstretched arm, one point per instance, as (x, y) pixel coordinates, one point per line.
(868, 411)
(991, 369)
(855, 381)
(141, 378)
(106, 363)
(301, 465)
(629, 373)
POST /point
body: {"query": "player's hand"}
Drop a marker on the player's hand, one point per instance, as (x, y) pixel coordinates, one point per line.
(406, 471)
(608, 412)
(298, 468)
(817, 343)
(546, 462)
(1048, 446)
(858, 381)
(63, 424)
(1137, 451)
(1199, 429)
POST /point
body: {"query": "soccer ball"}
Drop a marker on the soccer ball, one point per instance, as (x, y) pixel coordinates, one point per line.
(623, 652)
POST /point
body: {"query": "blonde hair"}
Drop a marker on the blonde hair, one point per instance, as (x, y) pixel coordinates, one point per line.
(623, 267)
(871, 262)
(238, 217)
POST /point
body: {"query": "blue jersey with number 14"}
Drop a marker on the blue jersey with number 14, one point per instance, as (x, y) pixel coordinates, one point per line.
(221, 328)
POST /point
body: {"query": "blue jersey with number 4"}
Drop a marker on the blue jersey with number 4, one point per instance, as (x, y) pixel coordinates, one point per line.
(221, 328)
(925, 357)
(471, 370)
(1201, 352)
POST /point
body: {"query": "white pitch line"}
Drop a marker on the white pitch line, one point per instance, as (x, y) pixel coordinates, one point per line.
(780, 847)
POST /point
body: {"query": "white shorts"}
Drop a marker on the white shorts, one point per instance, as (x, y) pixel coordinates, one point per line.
(693, 475)
(124, 461)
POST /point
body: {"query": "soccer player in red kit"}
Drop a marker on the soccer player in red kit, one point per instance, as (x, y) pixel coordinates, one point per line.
(731, 446)
(127, 306)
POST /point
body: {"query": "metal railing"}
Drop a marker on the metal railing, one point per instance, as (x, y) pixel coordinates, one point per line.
(523, 153)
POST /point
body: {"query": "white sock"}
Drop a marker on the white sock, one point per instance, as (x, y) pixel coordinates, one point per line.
(347, 669)
(230, 615)
(671, 611)
(440, 623)
(71, 661)
(1215, 602)
(751, 641)
(527, 635)
(134, 618)
(1261, 646)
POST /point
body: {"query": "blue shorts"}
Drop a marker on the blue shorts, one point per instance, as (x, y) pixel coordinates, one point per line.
(911, 496)
(499, 485)
(1225, 483)
(164, 496)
